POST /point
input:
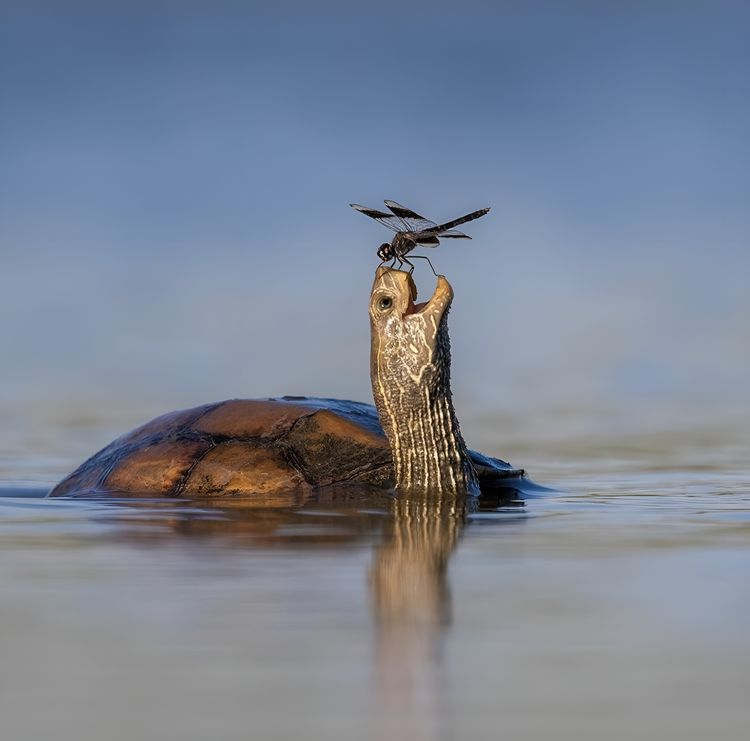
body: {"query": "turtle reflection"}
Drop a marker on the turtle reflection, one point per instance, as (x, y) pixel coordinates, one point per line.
(413, 539)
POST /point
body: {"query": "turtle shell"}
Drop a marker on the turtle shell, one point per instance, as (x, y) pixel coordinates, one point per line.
(251, 447)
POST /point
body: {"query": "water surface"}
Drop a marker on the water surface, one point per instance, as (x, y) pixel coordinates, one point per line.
(616, 608)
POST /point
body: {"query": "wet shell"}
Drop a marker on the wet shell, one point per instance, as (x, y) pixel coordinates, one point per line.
(250, 448)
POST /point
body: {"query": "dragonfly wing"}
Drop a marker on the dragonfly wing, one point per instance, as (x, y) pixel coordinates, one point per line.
(428, 240)
(391, 221)
(414, 221)
(454, 234)
(463, 219)
(402, 211)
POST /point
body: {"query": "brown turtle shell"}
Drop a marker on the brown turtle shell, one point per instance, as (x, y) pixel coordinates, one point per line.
(251, 447)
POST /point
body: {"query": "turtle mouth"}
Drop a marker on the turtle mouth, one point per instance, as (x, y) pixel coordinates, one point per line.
(398, 286)
(413, 308)
(438, 302)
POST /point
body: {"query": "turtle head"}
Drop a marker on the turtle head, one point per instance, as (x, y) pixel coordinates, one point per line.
(410, 371)
(404, 331)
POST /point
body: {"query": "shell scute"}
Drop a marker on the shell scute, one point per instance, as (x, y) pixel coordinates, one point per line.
(240, 418)
(155, 469)
(238, 467)
(164, 426)
(330, 447)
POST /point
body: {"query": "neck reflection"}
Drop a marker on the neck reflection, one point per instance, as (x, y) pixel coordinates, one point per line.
(411, 601)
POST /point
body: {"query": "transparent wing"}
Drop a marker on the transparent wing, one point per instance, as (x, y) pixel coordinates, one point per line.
(414, 222)
(454, 234)
(392, 222)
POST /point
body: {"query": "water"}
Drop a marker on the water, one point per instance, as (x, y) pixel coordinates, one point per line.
(616, 608)
(173, 174)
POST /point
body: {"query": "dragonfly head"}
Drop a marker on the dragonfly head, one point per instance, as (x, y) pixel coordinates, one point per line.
(385, 252)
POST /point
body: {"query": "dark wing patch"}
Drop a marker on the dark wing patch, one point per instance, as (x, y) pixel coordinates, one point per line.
(414, 222)
(402, 211)
(389, 220)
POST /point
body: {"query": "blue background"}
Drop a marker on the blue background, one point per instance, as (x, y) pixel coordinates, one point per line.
(174, 181)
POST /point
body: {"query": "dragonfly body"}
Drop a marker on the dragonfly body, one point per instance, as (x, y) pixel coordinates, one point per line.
(400, 246)
(413, 230)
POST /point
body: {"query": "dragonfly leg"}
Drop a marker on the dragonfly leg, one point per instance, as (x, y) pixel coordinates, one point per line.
(424, 257)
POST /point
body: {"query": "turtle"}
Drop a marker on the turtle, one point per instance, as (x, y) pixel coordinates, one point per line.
(262, 448)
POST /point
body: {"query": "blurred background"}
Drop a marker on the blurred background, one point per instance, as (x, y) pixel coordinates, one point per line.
(174, 229)
(174, 221)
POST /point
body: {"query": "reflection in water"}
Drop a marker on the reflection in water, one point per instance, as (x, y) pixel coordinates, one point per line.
(331, 618)
(411, 599)
(413, 538)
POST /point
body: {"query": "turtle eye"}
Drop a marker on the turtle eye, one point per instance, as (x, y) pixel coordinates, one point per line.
(385, 303)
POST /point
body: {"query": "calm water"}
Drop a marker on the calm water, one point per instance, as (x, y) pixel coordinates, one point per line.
(172, 176)
(617, 608)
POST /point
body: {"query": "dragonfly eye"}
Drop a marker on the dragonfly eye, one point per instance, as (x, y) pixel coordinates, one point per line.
(384, 251)
(385, 303)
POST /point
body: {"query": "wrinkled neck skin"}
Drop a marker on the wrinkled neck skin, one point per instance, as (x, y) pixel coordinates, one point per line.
(410, 372)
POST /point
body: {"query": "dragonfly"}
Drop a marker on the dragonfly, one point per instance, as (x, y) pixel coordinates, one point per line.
(413, 230)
